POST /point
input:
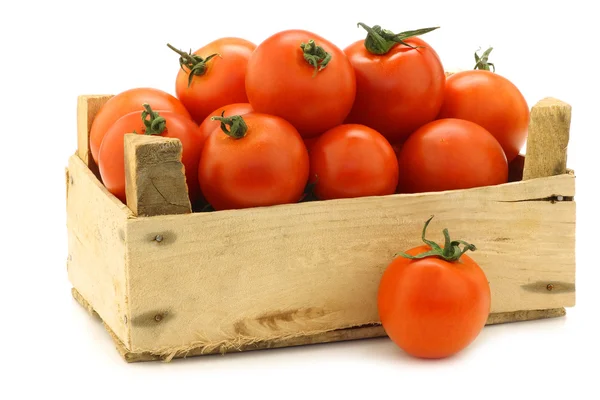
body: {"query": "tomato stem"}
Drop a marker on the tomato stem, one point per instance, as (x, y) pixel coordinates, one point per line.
(156, 125)
(193, 62)
(450, 252)
(481, 62)
(238, 127)
(315, 55)
(380, 41)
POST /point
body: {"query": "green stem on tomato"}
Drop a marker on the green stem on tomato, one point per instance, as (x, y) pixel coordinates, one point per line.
(237, 125)
(315, 55)
(193, 62)
(451, 251)
(156, 125)
(482, 63)
(380, 41)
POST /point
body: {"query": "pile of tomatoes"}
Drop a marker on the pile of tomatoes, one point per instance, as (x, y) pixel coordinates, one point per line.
(296, 117)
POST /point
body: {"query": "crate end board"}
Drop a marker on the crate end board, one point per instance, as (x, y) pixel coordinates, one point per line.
(339, 335)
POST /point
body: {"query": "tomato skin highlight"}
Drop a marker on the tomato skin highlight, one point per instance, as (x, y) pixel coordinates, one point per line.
(111, 161)
(222, 83)
(352, 160)
(397, 92)
(126, 102)
(432, 308)
(268, 166)
(280, 82)
(489, 100)
(450, 154)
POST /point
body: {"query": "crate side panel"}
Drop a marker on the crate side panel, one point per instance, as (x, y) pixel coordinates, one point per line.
(96, 238)
(235, 277)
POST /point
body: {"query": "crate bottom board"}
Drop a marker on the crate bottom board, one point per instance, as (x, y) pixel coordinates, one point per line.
(339, 335)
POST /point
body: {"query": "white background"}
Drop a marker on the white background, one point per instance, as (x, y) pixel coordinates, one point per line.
(53, 51)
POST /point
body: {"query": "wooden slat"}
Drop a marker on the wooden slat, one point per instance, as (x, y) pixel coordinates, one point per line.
(96, 223)
(242, 276)
(547, 139)
(87, 108)
(154, 176)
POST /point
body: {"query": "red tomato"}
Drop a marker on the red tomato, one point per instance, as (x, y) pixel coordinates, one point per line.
(352, 161)
(435, 306)
(111, 159)
(450, 154)
(126, 102)
(302, 78)
(208, 126)
(309, 143)
(262, 161)
(491, 101)
(398, 88)
(218, 78)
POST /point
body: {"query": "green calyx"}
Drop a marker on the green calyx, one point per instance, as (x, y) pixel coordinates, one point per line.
(195, 64)
(155, 125)
(237, 125)
(380, 41)
(451, 251)
(315, 55)
(482, 63)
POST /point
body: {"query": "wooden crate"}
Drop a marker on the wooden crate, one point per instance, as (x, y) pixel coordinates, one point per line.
(186, 284)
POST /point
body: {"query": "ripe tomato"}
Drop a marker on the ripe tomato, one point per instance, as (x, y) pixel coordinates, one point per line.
(489, 100)
(126, 102)
(111, 159)
(309, 142)
(303, 78)
(434, 302)
(217, 78)
(352, 161)
(208, 126)
(450, 154)
(399, 86)
(260, 160)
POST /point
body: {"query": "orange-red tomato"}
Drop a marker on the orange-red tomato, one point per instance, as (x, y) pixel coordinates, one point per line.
(352, 161)
(261, 162)
(111, 158)
(398, 88)
(126, 102)
(208, 126)
(309, 142)
(302, 78)
(489, 100)
(450, 154)
(435, 306)
(216, 81)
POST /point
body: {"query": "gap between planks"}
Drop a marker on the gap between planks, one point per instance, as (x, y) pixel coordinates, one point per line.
(338, 335)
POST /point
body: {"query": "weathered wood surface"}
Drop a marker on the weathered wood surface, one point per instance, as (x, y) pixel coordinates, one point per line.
(155, 176)
(355, 333)
(547, 139)
(87, 108)
(96, 226)
(235, 277)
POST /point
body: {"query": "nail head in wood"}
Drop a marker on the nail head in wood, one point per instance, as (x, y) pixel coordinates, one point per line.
(547, 140)
(155, 182)
(158, 238)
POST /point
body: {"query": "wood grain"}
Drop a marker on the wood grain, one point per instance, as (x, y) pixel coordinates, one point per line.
(548, 138)
(272, 273)
(96, 225)
(87, 108)
(155, 176)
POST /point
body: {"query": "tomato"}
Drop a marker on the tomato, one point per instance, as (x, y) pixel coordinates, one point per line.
(260, 160)
(434, 302)
(309, 142)
(126, 102)
(111, 159)
(489, 100)
(208, 126)
(352, 161)
(450, 154)
(399, 87)
(302, 78)
(213, 76)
